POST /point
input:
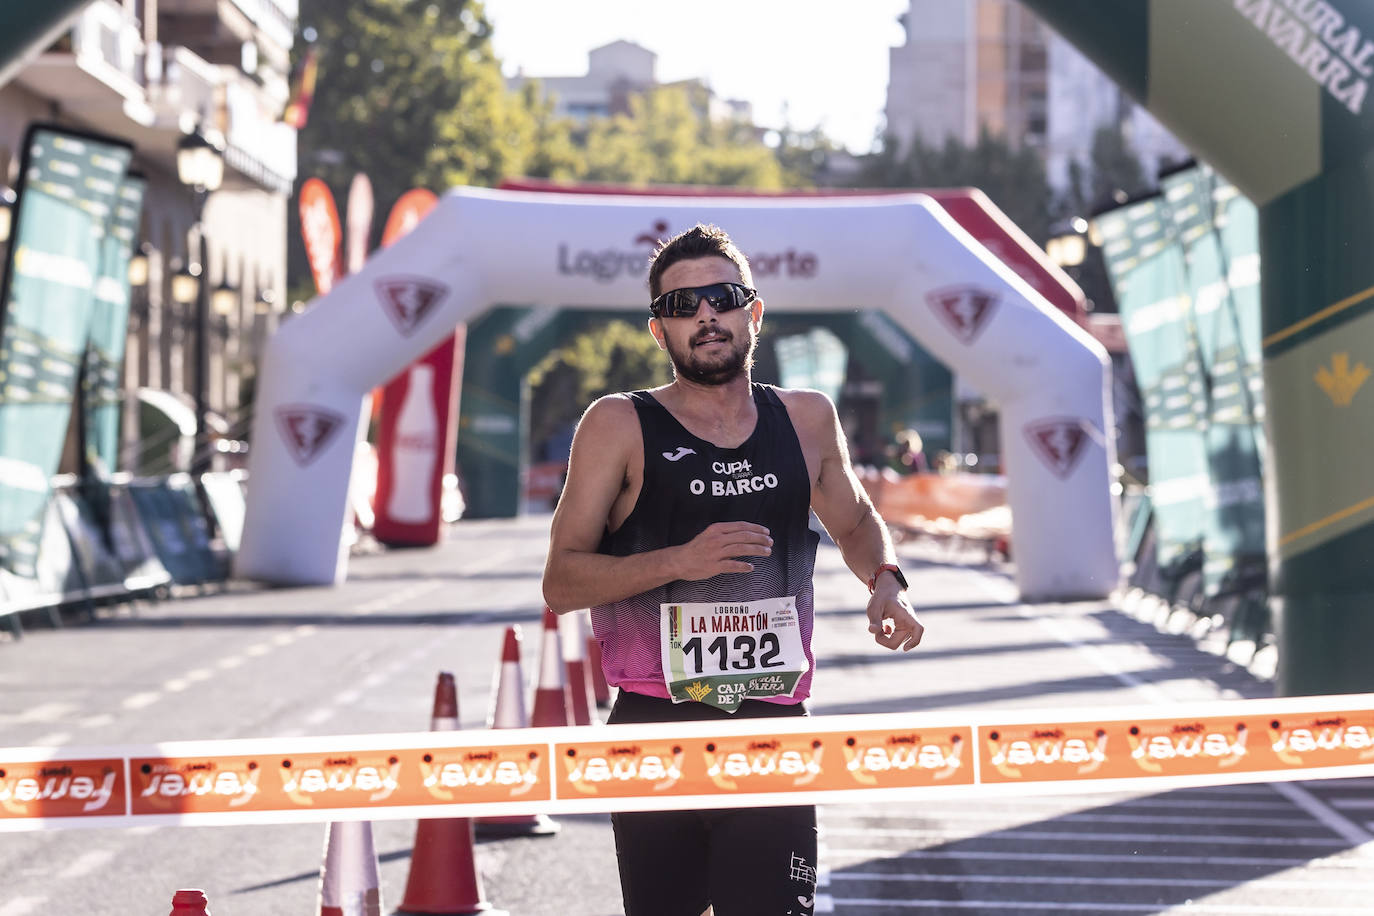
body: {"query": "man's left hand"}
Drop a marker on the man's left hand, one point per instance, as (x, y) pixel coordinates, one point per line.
(891, 619)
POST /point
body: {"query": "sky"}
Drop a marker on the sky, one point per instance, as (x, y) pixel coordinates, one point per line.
(807, 63)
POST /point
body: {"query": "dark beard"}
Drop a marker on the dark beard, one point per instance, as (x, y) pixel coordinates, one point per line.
(738, 361)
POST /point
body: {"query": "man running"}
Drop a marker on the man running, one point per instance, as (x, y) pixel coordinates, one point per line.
(690, 503)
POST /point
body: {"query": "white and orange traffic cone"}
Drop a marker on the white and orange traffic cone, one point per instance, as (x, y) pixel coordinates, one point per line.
(349, 884)
(574, 635)
(552, 699)
(508, 711)
(443, 869)
(190, 902)
(600, 689)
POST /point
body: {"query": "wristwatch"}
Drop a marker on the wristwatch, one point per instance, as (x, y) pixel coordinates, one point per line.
(886, 567)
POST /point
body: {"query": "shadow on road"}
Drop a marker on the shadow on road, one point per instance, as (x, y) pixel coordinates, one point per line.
(1166, 850)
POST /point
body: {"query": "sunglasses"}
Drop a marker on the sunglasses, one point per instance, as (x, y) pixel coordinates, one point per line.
(683, 303)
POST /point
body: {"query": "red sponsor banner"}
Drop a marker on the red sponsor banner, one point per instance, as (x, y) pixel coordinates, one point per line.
(749, 764)
(62, 788)
(417, 412)
(721, 763)
(321, 232)
(315, 780)
(1212, 746)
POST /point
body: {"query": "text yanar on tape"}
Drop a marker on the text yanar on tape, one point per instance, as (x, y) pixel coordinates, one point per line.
(715, 764)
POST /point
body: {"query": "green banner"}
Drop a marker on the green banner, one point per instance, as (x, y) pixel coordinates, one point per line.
(1235, 523)
(1276, 95)
(1148, 275)
(68, 191)
(109, 330)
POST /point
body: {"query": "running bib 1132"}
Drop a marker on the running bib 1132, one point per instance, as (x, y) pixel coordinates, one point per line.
(721, 653)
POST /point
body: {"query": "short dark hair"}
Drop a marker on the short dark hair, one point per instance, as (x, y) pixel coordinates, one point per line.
(701, 241)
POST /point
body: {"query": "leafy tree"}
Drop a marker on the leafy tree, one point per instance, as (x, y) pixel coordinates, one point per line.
(667, 138)
(618, 357)
(408, 92)
(1014, 179)
(1112, 175)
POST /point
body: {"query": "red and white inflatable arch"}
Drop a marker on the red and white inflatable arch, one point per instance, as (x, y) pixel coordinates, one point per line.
(478, 248)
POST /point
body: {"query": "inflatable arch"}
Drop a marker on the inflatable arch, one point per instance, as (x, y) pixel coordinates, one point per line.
(480, 248)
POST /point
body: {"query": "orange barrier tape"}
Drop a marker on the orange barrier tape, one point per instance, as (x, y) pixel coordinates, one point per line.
(714, 764)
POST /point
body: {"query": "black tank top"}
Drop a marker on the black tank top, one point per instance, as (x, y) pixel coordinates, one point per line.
(690, 483)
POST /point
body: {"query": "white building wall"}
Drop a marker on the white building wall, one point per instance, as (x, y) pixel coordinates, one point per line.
(930, 84)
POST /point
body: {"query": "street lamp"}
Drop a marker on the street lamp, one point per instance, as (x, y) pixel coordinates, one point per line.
(139, 265)
(225, 298)
(1068, 247)
(186, 284)
(200, 166)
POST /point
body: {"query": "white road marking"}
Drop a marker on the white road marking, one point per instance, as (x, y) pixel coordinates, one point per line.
(52, 739)
(257, 649)
(21, 906)
(1076, 880)
(1346, 803)
(47, 712)
(1099, 907)
(198, 674)
(387, 602)
(175, 685)
(86, 863)
(1336, 822)
(229, 662)
(824, 904)
(1020, 818)
(319, 715)
(99, 720)
(1090, 837)
(1010, 856)
(1009, 596)
(141, 700)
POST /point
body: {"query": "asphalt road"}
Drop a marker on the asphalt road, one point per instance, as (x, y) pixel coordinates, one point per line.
(362, 658)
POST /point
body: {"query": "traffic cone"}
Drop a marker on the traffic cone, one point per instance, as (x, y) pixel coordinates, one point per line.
(349, 884)
(573, 633)
(600, 689)
(443, 872)
(552, 699)
(508, 711)
(190, 902)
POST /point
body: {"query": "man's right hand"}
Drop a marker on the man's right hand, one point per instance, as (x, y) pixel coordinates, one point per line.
(713, 552)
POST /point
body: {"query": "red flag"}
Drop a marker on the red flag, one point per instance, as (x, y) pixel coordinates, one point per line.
(408, 210)
(297, 110)
(320, 228)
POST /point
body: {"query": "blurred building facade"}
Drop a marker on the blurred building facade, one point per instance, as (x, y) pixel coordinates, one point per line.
(616, 72)
(149, 72)
(970, 65)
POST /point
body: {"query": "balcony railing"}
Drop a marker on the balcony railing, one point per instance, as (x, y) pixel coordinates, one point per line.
(187, 90)
(258, 144)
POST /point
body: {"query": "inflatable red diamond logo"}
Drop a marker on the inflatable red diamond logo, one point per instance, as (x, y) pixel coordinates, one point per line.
(307, 430)
(1059, 441)
(409, 300)
(965, 310)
